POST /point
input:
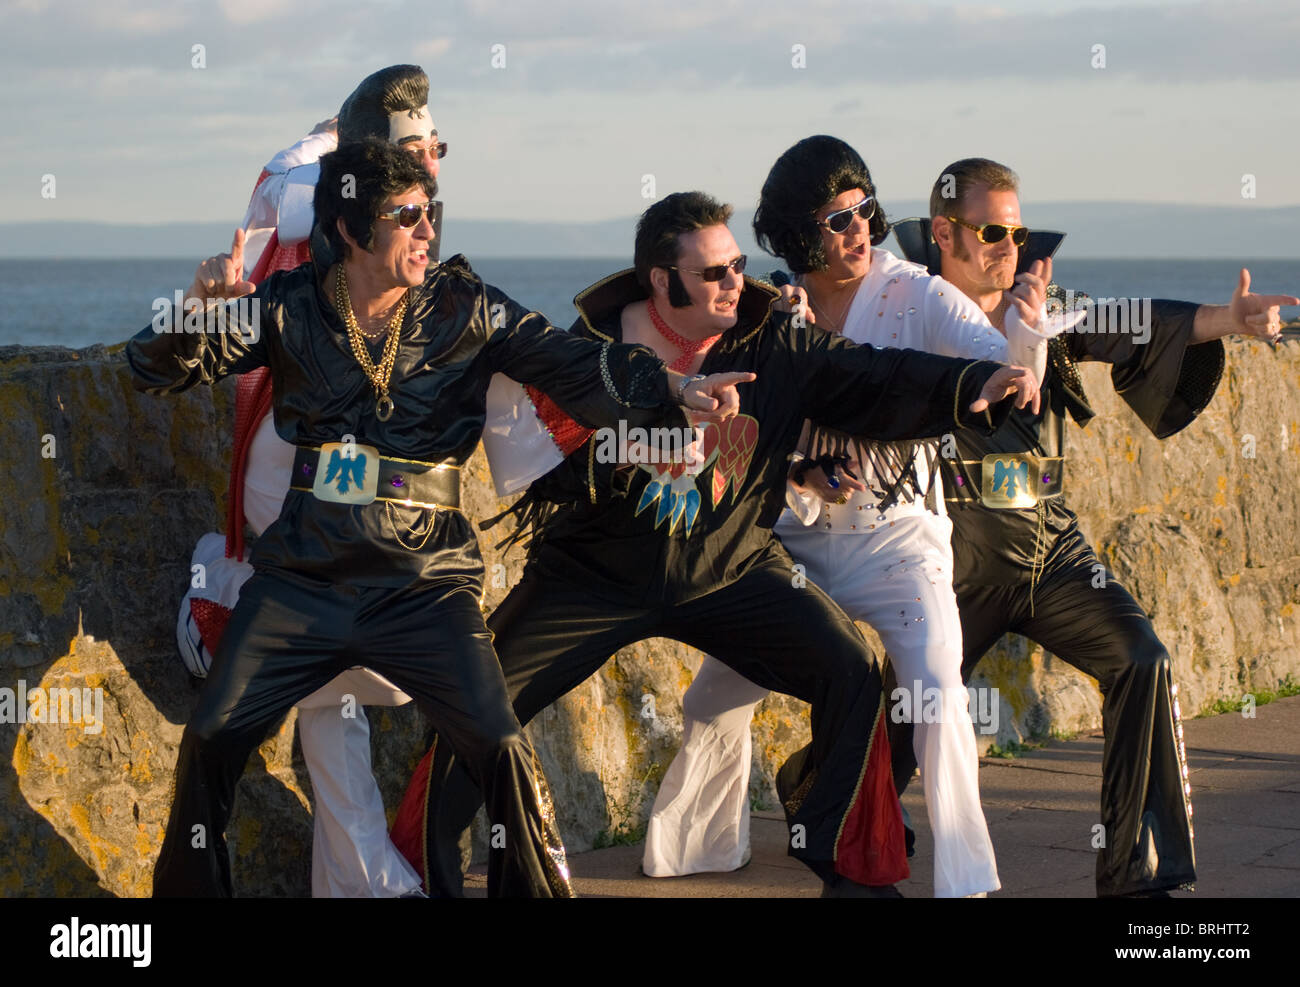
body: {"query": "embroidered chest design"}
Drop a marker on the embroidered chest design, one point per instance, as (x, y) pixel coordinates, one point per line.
(674, 490)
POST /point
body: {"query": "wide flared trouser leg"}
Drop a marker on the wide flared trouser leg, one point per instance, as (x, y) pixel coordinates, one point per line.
(352, 856)
(550, 636)
(900, 583)
(837, 791)
(783, 633)
(431, 641)
(700, 819)
(1082, 614)
(276, 649)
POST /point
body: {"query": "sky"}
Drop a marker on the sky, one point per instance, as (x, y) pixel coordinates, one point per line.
(559, 110)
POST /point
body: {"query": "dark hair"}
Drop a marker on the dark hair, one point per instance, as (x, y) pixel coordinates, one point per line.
(355, 181)
(662, 225)
(365, 112)
(804, 179)
(959, 178)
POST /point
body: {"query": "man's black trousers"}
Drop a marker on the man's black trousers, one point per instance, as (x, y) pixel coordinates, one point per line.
(288, 637)
(1082, 614)
(551, 635)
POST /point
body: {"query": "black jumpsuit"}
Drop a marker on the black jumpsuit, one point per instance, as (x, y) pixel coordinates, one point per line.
(1030, 571)
(396, 586)
(633, 556)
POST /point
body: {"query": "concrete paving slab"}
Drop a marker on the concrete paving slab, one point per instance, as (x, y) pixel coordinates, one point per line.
(1040, 808)
(1220, 846)
(1245, 774)
(1280, 810)
(1248, 882)
(1274, 732)
(1287, 855)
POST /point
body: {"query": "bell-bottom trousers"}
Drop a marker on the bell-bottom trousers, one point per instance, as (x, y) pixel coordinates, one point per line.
(286, 638)
(1083, 615)
(770, 626)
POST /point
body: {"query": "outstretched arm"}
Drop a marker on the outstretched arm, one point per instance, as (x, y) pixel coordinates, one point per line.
(1246, 314)
(209, 335)
(601, 383)
(890, 394)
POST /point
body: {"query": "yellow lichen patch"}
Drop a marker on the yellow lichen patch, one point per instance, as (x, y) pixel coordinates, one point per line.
(144, 847)
(22, 759)
(1287, 610)
(1008, 679)
(99, 848)
(40, 490)
(1234, 579)
(138, 768)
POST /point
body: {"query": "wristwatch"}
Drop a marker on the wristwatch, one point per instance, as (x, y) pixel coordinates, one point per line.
(681, 388)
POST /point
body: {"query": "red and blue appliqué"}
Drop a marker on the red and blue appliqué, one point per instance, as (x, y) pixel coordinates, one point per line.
(675, 494)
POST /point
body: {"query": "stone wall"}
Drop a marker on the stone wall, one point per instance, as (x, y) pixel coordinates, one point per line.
(107, 490)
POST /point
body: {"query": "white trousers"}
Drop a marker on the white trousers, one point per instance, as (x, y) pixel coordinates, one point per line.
(351, 854)
(898, 580)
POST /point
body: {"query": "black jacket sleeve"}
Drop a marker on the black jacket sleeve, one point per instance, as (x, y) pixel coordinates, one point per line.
(598, 384)
(885, 394)
(179, 349)
(1156, 369)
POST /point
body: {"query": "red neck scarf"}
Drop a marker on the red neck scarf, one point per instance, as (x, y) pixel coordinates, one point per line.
(689, 347)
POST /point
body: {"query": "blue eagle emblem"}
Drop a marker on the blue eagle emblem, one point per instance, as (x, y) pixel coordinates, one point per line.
(349, 471)
(1012, 478)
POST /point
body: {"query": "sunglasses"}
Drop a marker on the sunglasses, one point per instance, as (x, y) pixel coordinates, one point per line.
(718, 271)
(436, 147)
(995, 232)
(840, 220)
(408, 217)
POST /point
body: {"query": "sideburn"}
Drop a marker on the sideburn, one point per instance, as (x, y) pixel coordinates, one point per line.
(677, 296)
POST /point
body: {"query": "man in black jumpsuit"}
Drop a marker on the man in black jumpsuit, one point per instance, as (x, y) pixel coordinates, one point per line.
(655, 551)
(1020, 562)
(380, 364)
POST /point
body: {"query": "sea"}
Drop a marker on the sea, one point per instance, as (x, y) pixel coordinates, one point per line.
(78, 303)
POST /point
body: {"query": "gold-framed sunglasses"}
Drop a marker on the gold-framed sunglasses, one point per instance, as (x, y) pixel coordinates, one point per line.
(408, 217)
(994, 232)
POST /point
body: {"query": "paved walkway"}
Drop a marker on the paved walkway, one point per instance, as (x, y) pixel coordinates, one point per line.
(1041, 808)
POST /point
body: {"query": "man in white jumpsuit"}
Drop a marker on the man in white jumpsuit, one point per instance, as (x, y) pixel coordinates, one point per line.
(883, 553)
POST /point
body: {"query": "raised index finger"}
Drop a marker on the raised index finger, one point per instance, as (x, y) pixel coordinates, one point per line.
(1271, 300)
(237, 249)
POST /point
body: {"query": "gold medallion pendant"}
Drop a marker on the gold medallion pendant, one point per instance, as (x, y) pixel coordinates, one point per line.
(381, 375)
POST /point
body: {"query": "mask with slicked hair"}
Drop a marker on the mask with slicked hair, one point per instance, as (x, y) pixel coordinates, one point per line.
(391, 104)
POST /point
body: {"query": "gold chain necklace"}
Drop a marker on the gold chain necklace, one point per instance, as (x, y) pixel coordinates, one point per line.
(381, 375)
